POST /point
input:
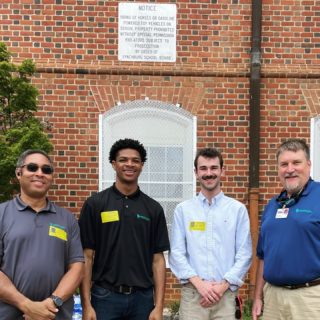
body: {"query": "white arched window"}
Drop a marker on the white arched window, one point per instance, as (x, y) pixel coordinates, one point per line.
(168, 133)
(315, 148)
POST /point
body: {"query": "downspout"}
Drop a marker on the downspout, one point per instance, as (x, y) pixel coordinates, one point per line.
(254, 139)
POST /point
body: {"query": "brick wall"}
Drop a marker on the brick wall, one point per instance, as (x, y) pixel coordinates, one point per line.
(74, 44)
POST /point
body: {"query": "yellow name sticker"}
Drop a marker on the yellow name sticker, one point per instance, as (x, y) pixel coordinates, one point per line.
(109, 216)
(57, 232)
(197, 226)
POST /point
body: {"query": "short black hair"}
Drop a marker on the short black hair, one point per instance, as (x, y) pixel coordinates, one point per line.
(208, 153)
(25, 154)
(127, 144)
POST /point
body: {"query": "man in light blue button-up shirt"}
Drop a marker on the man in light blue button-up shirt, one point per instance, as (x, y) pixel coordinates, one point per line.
(211, 246)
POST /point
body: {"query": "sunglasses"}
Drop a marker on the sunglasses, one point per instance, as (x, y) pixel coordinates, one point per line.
(238, 313)
(33, 167)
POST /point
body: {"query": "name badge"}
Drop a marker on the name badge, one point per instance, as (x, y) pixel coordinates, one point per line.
(282, 213)
(109, 216)
(57, 231)
(197, 226)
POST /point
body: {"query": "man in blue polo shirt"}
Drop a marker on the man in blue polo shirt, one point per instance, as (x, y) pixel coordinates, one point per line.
(288, 275)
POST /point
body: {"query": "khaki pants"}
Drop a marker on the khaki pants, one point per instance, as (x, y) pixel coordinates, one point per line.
(190, 308)
(285, 304)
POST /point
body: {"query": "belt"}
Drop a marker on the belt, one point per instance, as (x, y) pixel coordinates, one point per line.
(312, 283)
(189, 285)
(123, 289)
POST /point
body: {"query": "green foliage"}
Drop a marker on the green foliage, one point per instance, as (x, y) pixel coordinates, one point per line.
(4, 53)
(18, 97)
(246, 310)
(174, 307)
(19, 128)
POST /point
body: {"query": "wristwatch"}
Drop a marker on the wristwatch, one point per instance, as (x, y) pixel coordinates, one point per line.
(57, 301)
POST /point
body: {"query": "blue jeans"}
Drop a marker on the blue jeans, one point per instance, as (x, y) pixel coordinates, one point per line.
(109, 305)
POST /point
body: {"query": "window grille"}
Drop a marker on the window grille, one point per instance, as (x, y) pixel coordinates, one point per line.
(168, 134)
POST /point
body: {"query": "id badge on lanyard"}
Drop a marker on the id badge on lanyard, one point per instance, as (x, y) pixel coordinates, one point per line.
(282, 213)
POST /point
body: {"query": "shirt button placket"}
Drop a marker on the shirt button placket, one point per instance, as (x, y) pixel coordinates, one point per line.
(208, 235)
(126, 205)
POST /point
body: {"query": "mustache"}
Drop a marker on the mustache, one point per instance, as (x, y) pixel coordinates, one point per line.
(209, 177)
(289, 175)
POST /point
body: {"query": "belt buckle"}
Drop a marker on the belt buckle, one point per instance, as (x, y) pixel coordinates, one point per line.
(125, 289)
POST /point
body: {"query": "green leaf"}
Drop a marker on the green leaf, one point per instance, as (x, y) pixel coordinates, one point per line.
(4, 53)
(20, 129)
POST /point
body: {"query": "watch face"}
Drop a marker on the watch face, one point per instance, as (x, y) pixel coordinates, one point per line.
(57, 301)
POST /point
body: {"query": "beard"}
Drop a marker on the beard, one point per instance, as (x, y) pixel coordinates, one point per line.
(292, 187)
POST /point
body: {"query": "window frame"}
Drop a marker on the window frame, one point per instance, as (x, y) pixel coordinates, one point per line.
(178, 116)
(315, 145)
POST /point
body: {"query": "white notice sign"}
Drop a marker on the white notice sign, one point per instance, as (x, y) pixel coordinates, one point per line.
(147, 32)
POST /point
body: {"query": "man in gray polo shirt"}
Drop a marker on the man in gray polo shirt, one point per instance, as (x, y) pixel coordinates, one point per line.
(41, 257)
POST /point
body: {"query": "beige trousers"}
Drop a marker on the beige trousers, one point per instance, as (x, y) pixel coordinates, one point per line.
(285, 304)
(190, 308)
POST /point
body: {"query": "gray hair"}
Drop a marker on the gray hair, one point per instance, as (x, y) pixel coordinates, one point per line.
(27, 153)
(294, 145)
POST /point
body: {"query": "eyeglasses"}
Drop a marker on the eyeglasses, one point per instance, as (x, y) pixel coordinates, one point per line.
(238, 308)
(33, 167)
